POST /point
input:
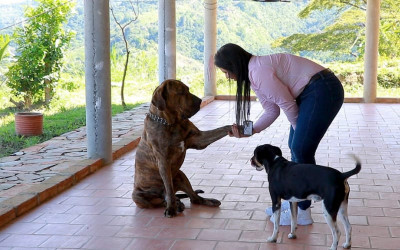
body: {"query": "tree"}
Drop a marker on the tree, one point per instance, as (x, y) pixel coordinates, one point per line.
(345, 37)
(123, 29)
(40, 45)
(4, 41)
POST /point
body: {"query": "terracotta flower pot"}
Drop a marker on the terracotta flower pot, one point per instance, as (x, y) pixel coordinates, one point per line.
(29, 123)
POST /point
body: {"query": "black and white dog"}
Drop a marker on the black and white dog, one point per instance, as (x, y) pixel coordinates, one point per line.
(297, 182)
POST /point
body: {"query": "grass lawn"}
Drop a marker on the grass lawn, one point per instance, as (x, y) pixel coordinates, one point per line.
(53, 125)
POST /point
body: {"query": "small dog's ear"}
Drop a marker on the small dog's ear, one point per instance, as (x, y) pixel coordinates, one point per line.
(277, 150)
(158, 98)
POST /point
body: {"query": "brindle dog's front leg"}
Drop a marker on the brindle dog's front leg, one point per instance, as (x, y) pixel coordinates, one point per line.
(202, 139)
(166, 175)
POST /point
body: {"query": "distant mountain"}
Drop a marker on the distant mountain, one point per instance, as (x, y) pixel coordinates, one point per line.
(254, 25)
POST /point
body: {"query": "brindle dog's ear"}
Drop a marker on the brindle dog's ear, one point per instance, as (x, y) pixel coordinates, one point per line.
(158, 98)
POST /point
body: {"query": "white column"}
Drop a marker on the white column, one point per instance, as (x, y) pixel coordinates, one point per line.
(98, 79)
(371, 51)
(166, 40)
(210, 46)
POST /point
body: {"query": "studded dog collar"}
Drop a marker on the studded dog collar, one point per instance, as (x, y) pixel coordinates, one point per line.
(156, 118)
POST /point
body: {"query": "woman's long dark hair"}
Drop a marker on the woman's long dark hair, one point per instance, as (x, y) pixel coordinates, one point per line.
(235, 59)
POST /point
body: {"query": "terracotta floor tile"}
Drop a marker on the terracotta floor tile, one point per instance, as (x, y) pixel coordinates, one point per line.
(92, 219)
(193, 211)
(86, 210)
(108, 193)
(56, 218)
(207, 223)
(260, 215)
(361, 195)
(193, 245)
(382, 203)
(60, 241)
(123, 202)
(130, 221)
(232, 214)
(246, 224)
(178, 221)
(75, 192)
(81, 201)
(150, 244)
(241, 197)
(253, 206)
(368, 211)
(221, 183)
(121, 211)
(247, 184)
(59, 229)
(24, 240)
(280, 246)
(385, 243)
(107, 243)
(133, 231)
(394, 232)
(237, 245)
(23, 228)
(383, 221)
(256, 236)
(219, 234)
(370, 231)
(178, 233)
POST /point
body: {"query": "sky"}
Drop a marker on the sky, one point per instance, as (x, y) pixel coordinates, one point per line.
(13, 1)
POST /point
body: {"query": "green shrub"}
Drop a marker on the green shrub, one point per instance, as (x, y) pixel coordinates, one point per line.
(353, 73)
(40, 47)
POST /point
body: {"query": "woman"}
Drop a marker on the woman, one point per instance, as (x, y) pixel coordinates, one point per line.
(309, 95)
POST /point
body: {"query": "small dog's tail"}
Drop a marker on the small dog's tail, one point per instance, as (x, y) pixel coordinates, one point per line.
(354, 171)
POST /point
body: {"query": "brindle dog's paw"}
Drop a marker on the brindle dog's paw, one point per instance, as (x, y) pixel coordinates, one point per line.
(211, 202)
(170, 212)
(271, 240)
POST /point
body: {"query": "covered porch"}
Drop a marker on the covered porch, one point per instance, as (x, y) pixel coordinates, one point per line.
(96, 211)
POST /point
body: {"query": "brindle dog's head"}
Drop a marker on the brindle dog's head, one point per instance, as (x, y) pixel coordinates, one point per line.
(175, 101)
(264, 156)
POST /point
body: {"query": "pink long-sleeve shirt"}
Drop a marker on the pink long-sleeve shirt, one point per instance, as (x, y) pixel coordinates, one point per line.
(277, 80)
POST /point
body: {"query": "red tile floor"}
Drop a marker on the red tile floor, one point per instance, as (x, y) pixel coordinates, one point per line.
(98, 212)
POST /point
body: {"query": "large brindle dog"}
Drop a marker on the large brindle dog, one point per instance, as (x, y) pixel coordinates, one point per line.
(297, 182)
(167, 134)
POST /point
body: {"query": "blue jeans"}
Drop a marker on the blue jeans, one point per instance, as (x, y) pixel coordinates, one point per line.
(318, 105)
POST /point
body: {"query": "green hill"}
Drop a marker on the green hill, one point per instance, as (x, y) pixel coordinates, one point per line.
(254, 25)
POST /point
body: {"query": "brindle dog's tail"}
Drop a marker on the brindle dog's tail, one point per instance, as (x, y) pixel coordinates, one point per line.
(181, 196)
(356, 170)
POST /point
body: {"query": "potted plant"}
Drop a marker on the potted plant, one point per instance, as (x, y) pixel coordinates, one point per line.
(29, 123)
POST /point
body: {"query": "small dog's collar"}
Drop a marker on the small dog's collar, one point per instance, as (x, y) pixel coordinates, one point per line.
(276, 157)
(158, 119)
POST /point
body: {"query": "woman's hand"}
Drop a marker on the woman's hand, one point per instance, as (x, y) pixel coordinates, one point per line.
(236, 131)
